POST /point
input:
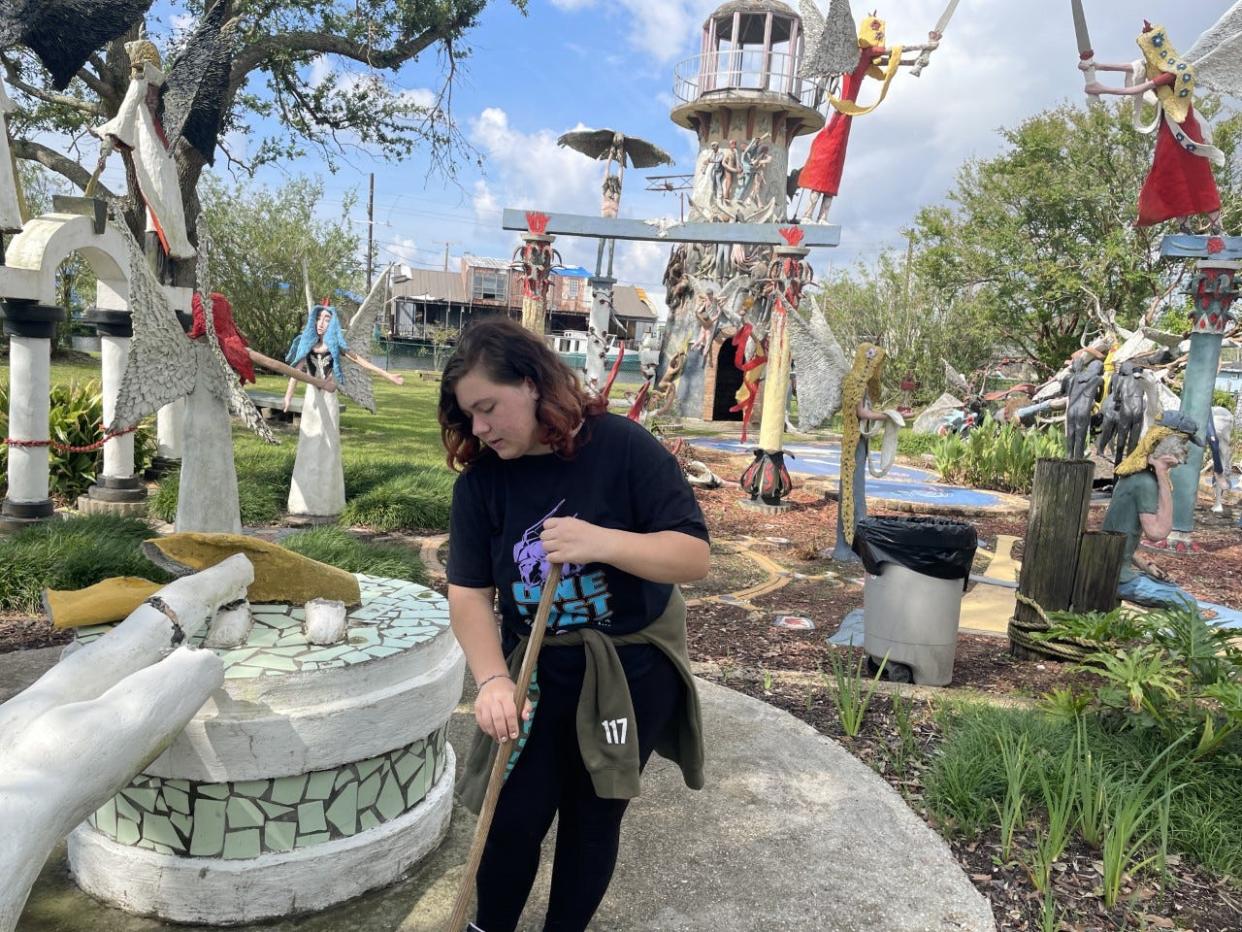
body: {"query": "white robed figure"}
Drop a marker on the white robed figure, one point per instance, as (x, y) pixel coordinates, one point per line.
(323, 350)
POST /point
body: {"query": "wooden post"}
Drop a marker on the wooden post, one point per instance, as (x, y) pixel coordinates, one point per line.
(1098, 571)
(1058, 516)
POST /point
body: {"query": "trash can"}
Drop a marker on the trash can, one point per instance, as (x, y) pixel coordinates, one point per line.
(917, 569)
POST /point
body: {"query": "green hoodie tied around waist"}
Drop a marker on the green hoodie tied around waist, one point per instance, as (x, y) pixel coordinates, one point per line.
(606, 695)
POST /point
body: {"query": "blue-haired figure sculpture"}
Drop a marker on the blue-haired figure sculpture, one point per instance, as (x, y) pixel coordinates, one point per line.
(323, 349)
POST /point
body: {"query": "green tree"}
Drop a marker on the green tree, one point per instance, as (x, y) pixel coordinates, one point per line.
(259, 239)
(1031, 234)
(888, 302)
(273, 45)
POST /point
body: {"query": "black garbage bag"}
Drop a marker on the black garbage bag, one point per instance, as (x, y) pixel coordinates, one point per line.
(931, 546)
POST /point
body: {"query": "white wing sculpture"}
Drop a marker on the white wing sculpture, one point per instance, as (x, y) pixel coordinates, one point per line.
(355, 382)
(1217, 54)
(820, 364)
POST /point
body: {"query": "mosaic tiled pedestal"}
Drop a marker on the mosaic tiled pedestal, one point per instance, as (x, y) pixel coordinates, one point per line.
(316, 773)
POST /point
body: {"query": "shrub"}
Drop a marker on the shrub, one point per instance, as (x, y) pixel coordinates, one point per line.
(393, 495)
(337, 547)
(76, 420)
(911, 444)
(1167, 670)
(71, 554)
(996, 456)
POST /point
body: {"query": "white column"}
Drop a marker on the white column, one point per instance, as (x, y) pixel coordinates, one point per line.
(30, 376)
(119, 451)
(168, 429)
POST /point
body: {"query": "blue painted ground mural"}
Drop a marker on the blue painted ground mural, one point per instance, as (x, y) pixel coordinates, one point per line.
(902, 484)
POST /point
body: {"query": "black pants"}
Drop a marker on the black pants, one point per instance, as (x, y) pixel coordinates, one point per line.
(549, 780)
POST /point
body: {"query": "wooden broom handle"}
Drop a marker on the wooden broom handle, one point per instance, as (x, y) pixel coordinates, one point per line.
(521, 688)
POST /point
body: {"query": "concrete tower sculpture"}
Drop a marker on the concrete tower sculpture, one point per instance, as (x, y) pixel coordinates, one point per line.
(746, 98)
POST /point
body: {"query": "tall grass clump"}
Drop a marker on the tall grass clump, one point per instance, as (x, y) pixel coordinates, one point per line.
(337, 547)
(71, 554)
(996, 456)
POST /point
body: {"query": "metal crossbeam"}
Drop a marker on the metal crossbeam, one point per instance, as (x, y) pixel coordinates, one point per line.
(1188, 246)
(759, 234)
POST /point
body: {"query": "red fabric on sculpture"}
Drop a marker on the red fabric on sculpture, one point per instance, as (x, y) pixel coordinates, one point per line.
(823, 168)
(1180, 183)
(232, 343)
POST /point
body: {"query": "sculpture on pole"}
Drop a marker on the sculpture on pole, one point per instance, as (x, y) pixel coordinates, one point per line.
(535, 258)
(821, 175)
(615, 150)
(1180, 185)
(767, 480)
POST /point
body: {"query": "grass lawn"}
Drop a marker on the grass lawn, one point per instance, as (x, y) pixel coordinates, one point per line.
(395, 475)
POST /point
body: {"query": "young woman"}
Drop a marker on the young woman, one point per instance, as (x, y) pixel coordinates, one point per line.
(549, 477)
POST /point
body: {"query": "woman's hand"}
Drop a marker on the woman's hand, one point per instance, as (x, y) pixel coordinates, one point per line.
(495, 711)
(572, 540)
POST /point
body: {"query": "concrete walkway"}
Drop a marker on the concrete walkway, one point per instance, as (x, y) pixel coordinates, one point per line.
(791, 833)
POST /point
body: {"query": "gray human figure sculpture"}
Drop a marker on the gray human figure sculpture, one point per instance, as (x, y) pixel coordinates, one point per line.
(1080, 387)
(717, 170)
(1123, 412)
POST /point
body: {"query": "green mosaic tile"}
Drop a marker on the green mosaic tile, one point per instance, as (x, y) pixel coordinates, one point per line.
(213, 790)
(306, 841)
(250, 787)
(242, 845)
(240, 673)
(417, 789)
(343, 813)
(360, 637)
(328, 653)
(274, 662)
(310, 818)
(278, 836)
(369, 791)
(241, 655)
(208, 838)
(127, 809)
(160, 805)
(356, 656)
(369, 766)
(182, 785)
(182, 822)
(407, 764)
(178, 800)
(243, 813)
(367, 821)
(288, 790)
(386, 651)
(127, 831)
(298, 613)
(320, 785)
(158, 829)
(390, 803)
(262, 637)
(269, 608)
(105, 818)
(272, 809)
(163, 849)
(298, 646)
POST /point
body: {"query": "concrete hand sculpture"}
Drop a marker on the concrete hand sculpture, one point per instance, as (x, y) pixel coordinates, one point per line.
(77, 736)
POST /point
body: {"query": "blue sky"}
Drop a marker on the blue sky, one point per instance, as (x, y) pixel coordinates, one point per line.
(571, 63)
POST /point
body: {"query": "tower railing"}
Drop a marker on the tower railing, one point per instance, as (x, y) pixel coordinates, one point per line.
(743, 69)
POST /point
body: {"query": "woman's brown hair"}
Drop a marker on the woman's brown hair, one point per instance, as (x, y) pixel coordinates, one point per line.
(510, 354)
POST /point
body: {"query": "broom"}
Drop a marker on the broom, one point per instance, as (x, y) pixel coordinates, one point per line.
(497, 778)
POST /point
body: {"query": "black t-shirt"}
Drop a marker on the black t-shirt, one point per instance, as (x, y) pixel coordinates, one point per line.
(620, 477)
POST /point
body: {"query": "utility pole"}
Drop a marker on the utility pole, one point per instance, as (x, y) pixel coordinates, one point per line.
(371, 234)
(446, 255)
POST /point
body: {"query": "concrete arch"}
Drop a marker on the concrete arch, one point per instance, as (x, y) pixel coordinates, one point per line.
(35, 254)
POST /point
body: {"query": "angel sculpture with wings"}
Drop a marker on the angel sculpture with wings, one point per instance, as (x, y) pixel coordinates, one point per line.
(821, 175)
(206, 367)
(825, 384)
(323, 350)
(1180, 184)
